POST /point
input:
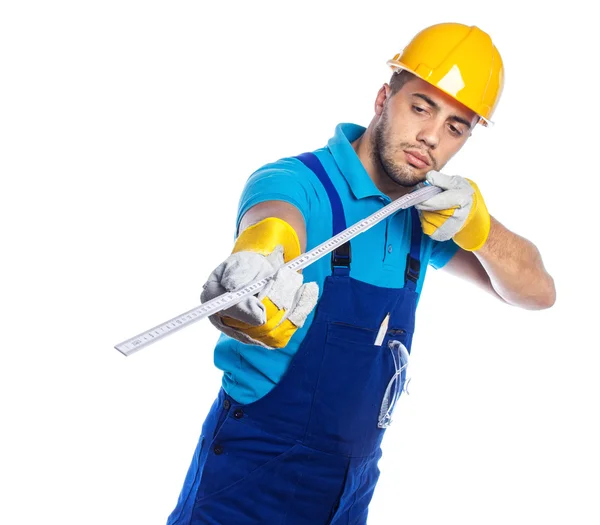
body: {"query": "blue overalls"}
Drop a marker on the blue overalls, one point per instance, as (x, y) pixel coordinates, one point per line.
(306, 453)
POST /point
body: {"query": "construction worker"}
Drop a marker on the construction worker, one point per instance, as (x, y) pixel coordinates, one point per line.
(314, 364)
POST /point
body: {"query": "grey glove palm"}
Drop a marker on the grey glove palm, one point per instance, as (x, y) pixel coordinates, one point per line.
(271, 317)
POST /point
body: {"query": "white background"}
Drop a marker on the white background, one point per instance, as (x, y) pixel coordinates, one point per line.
(128, 129)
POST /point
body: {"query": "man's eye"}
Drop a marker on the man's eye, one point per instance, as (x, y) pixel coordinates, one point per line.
(418, 109)
(454, 130)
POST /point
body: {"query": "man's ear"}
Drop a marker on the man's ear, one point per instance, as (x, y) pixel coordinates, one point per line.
(382, 97)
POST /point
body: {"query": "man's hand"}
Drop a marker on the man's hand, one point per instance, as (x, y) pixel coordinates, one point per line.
(458, 213)
(271, 317)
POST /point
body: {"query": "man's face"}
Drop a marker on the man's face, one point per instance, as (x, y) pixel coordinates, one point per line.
(420, 129)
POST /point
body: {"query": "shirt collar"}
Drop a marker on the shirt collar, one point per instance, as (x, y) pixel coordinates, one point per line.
(348, 162)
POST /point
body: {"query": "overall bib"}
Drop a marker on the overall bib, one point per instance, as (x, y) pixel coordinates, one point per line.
(306, 453)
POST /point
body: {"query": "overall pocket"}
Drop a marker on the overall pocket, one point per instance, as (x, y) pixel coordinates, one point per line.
(301, 485)
(352, 381)
(239, 454)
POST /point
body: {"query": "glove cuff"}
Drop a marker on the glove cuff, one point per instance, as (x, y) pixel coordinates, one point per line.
(477, 226)
(265, 235)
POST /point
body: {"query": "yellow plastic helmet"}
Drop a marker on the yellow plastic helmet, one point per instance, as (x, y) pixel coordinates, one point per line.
(461, 61)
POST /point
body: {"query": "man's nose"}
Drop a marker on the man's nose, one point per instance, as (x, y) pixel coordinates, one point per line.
(429, 135)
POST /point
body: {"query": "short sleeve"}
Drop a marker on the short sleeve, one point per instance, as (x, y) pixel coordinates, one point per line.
(442, 252)
(284, 180)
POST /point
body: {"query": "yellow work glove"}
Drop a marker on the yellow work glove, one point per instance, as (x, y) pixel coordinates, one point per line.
(459, 213)
(271, 317)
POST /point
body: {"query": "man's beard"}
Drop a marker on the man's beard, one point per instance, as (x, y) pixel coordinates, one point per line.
(384, 154)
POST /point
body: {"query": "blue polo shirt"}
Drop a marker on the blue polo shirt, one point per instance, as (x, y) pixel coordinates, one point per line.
(378, 255)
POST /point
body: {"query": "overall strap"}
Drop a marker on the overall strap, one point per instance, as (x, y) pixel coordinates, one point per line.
(413, 263)
(341, 256)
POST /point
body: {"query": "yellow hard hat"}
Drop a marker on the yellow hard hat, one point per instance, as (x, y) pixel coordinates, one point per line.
(461, 61)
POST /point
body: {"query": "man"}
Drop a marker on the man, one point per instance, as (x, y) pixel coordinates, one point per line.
(294, 434)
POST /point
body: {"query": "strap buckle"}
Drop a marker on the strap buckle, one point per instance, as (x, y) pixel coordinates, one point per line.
(413, 269)
(341, 256)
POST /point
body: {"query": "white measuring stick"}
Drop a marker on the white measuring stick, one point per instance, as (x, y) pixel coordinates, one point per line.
(228, 299)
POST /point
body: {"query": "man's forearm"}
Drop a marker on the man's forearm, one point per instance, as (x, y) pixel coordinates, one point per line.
(516, 270)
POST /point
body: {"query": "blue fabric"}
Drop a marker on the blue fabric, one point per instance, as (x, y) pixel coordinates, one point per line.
(311, 161)
(307, 452)
(413, 265)
(379, 255)
(340, 257)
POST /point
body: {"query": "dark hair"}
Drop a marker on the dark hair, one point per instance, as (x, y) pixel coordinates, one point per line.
(399, 78)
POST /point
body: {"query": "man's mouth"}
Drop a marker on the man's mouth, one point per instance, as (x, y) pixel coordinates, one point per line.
(417, 159)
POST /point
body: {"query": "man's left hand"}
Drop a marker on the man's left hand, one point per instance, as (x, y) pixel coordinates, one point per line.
(459, 213)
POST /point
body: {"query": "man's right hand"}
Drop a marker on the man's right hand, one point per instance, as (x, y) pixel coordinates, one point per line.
(271, 317)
